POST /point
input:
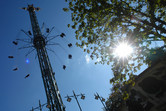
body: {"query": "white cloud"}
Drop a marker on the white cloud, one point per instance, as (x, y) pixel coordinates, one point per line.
(87, 58)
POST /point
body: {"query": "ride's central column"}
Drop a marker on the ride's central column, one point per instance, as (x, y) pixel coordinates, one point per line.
(54, 101)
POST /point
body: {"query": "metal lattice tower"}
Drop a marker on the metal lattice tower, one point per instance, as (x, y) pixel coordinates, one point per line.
(54, 101)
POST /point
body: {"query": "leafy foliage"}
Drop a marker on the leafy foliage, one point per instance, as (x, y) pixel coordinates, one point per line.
(155, 54)
(101, 24)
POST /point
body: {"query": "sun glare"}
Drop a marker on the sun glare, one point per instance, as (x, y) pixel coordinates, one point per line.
(123, 50)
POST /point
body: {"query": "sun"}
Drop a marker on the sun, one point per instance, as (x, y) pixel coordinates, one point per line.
(123, 50)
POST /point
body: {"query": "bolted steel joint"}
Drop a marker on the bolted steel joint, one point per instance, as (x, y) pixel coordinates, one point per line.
(39, 42)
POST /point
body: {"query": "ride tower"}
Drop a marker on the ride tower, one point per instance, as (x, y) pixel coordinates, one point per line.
(54, 100)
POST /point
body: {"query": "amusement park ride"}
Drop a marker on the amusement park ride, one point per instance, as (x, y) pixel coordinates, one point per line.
(54, 101)
(38, 41)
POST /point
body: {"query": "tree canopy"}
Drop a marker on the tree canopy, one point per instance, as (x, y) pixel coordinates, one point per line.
(101, 24)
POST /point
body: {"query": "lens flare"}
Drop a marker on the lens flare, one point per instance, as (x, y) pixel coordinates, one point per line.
(123, 50)
(27, 61)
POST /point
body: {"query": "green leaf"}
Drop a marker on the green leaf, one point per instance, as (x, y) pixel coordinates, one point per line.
(73, 26)
(154, 52)
(133, 83)
(76, 32)
(65, 9)
(88, 51)
(80, 38)
(68, 25)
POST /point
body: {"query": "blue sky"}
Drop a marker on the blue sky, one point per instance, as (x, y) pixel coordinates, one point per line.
(81, 75)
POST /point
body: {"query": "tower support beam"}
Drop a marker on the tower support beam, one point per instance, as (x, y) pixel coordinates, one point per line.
(54, 101)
